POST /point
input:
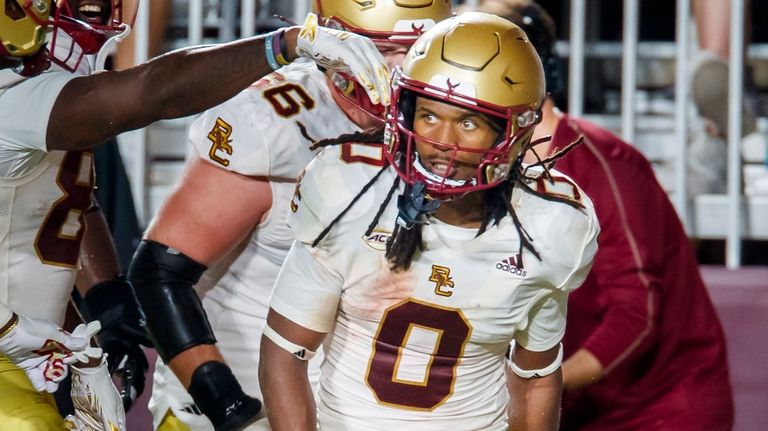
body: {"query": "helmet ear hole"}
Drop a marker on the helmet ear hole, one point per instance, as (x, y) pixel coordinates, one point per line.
(407, 106)
(13, 10)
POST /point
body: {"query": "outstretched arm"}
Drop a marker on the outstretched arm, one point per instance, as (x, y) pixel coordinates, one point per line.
(189, 80)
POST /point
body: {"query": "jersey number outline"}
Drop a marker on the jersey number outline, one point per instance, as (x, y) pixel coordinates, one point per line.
(53, 246)
(452, 330)
(283, 99)
(560, 187)
(369, 154)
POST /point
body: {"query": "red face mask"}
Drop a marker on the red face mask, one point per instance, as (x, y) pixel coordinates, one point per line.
(89, 24)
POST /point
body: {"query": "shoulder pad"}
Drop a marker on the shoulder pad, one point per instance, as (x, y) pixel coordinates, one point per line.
(562, 221)
(330, 183)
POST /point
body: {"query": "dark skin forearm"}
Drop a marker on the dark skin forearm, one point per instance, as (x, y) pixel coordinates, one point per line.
(283, 377)
(98, 257)
(534, 404)
(286, 389)
(178, 84)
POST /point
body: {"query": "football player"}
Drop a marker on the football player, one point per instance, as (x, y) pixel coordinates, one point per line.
(422, 257)
(52, 110)
(229, 210)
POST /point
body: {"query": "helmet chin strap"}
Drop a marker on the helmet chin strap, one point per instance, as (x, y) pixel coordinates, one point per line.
(109, 46)
(411, 207)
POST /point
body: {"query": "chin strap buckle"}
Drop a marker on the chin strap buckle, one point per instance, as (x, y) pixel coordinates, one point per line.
(414, 205)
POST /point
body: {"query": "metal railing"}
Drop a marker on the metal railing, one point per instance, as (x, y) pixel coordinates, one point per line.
(629, 63)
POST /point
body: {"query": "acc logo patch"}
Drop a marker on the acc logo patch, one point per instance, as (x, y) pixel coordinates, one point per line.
(377, 240)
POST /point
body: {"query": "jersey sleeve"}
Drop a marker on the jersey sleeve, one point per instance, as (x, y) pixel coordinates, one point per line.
(308, 214)
(326, 187)
(230, 137)
(571, 228)
(567, 257)
(268, 129)
(583, 254)
(307, 292)
(24, 112)
(546, 322)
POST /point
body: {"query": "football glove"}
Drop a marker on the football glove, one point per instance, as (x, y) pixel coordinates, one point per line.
(43, 350)
(349, 53)
(114, 305)
(98, 405)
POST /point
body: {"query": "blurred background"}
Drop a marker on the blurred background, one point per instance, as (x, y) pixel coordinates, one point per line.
(638, 68)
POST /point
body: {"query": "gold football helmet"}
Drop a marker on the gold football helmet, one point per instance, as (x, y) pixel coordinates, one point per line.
(22, 26)
(399, 21)
(475, 61)
(87, 23)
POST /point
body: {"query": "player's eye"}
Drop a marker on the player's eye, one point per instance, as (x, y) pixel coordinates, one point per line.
(429, 118)
(469, 125)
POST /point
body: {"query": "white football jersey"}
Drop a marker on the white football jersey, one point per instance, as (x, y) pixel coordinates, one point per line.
(424, 348)
(43, 196)
(25, 105)
(267, 130)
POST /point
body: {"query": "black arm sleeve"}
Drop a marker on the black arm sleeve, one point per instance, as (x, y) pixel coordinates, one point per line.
(163, 279)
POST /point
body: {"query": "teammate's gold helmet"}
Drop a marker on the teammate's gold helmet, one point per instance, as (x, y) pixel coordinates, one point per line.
(22, 26)
(399, 21)
(476, 61)
(87, 23)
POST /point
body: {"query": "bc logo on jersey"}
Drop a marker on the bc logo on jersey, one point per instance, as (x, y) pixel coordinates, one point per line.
(441, 276)
(219, 136)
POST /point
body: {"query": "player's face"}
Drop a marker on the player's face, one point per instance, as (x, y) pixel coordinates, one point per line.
(393, 53)
(456, 127)
(95, 12)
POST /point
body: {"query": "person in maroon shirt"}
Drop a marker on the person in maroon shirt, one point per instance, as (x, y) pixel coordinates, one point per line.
(643, 345)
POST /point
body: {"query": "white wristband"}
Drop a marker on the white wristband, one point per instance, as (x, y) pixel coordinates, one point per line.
(542, 372)
(298, 351)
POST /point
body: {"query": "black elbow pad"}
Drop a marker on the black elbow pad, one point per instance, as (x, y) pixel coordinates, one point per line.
(163, 280)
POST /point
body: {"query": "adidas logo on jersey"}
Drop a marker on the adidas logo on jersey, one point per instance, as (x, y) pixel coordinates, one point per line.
(377, 240)
(513, 265)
